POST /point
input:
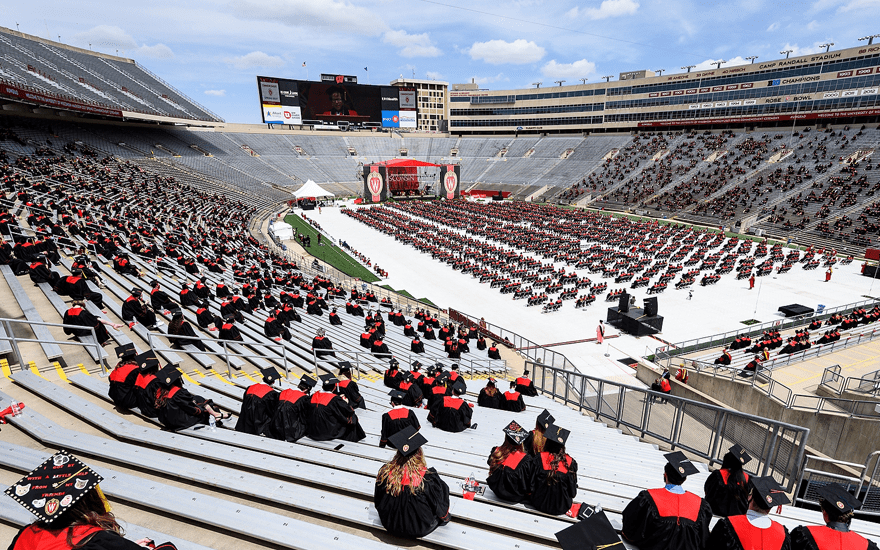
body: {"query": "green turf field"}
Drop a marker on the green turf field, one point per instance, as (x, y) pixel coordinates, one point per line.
(329, 252)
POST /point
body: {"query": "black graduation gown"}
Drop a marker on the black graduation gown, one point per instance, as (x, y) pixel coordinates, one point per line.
(450, 414)
(188, 298)
(529, 444)
(490, 401)
(330, 417)
(725, 537)
(100, 540)
(392, 378)
(436, 393)
(334, 319)
(512, 401)
(526, 387)
(804, 538)
(204, 317)
(82, 317)
(555, 497)
(122, 381)
(350, 389)
(721, 496)
(323, 347)
(273, 328)
(414, 395)
(134, 309)
(414, 514)
(379, 349)
(257, 410)
(185, 329)
(145, 387)
(395, 420)
(228, 331)
(511, 481)
(290, 421)
(417, 346)
(494, 353)
(644, 526)
(183, 409)
(159, 299)
(39, 273)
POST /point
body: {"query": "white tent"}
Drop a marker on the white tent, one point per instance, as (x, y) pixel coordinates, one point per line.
(311, 189)
(282, 230)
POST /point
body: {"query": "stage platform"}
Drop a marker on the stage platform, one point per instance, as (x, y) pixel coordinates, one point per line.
(634, 321)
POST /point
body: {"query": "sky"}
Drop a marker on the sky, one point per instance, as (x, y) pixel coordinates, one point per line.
(213, 51)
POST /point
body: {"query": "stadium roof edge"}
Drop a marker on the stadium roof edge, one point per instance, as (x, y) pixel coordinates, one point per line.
(64, 46)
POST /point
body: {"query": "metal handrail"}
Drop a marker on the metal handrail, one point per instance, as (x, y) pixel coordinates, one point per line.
(779, 447)
(14, 340)
(358, 358)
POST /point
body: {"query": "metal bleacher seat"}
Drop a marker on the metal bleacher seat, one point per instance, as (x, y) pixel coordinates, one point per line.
(52, 350)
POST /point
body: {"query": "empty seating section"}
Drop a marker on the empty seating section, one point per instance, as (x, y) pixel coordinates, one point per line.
(92, 78)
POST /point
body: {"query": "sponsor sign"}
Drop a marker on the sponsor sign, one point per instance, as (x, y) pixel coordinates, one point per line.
(391, 119)
(407, 119)
(269, 93)
(767, 118)
(292, 115)
(273, 114)
(61, 103)
(776, 82)
(339, 79)
(289, 93)
(390, 99)
(407, 99)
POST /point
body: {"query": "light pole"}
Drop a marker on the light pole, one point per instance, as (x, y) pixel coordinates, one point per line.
(719, 63)
(660, 71)
(688, 67)
(869, 38)
(583, 81)
(826, 46)
(608, 77)
(752, 58)
(559, 82)
(786, 52)
(537, 84)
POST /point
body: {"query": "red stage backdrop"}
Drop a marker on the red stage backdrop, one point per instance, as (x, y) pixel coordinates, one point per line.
(401, 176)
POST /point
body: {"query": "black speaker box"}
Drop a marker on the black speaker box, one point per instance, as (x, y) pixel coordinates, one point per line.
(651, 306)
(623, 304)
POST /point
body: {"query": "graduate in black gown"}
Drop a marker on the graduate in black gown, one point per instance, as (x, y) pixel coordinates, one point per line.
(134, 309)
(330, 415)
(322, 345)
(534, 444)
(838, 507)
(727, 490)
(511, 468)
(291, 416)
(147, 384)
(489, 396)
(397, 418)
(512, 400)
(79, 315)
(177, 408)
(554, 479)
(410, 498)
(670, 517)
(228, 330)
(450, 414)
(123, 377)
(181, 327)
(259, 405)
(393, 375)
(754, 529)
(349, 387)
(525, 386)
(413, 391)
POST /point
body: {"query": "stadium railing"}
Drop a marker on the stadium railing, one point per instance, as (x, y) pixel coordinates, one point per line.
(14, 340)
(816, 474)
(367, 362)
(699, 428)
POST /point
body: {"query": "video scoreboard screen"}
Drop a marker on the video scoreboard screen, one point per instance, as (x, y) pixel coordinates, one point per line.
(336, 98)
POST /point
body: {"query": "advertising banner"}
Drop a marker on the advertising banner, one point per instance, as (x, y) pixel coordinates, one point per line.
(269, 93)
(273, 114)
(292, 115)
(407, 99)
(450, 181)
(390, 99)
(375, 188)
(61, 103)
(407, 119)
(390, 119)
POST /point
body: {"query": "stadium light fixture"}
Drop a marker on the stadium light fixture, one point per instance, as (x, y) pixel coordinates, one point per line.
(537, 84)
(583, 80)
(559, 82)
(660, 71)
(869, 38)
(608, 77)
(826, 46)
(752, 58)
(719, 62)
(688, 67)
(786, 52)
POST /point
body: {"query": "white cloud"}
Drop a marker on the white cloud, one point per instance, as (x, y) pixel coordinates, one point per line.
(218, 93)
(860, 5)
(339, 15)
(106, 36)
(481, 80)
(577, 69)
(413, 45)
(713, 64)
(254, 60)
(608, 8)
(773, 27)
(498, 52)
(434, 75)
(812, 25)
(159, 51)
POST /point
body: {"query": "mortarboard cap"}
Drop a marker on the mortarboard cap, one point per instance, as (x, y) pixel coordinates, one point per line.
(835, 498)
(492, 380)
(270, 375)
(590, 533)
(176, 312)
(125, 351)
(741, 455)
(459, 386)
(416, 365)
(396, 395)
(679, 466)
(407, 441)
(168, 375)
(556, 434)
(136, 291)
(54, 486)
(515, 432)
(308, 381)
(769, 490)
(545, 419)
(327, 379)
(229, 317)
(344, 365)
(147, 360)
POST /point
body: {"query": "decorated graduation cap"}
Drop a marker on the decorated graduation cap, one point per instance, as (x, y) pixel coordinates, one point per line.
(270, 375)
(54, 486)
(168, 375)
(545, 419)
(126, 351)
(678, 467)
(592, 532)
(770, 493)
(396, 395)
(407, 441)
(555, 434)
(836, 500)
(308, 381)
(492, 380)
(229, 317)
(515, 432)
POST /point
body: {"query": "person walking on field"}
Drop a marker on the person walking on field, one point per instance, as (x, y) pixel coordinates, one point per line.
(828, 274)
(752, 282)
(600, 332)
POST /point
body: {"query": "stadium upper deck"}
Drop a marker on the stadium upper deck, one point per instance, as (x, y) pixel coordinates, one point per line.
(839, 86)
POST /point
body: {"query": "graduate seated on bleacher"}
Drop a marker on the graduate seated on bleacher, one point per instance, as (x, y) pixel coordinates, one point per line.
(413, 391)
(493, 351)
(441, 388)
(331, 416)
(322, 345)
(660, 519)
(393, 375)
(727, 489)
(510, 467)
(75, 286)
(75, 514)
(743, 531)
(79, 315)
(228, 330)
(349, 387)
(724, 359)
(135, 310)
(123, 377)
(290, 420)
(554, 481)
(489, 396)
(410, 498)
(146, 384)
(177, 408)
(512, 400)
(451, 413)
(838, 507)
(398, 418)
(181, 327)
(534, 444)
(335, 320)
(259, 405)
(525, 386)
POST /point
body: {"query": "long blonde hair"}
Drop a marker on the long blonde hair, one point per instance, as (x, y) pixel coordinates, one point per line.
(500, 454)
(403, 470)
